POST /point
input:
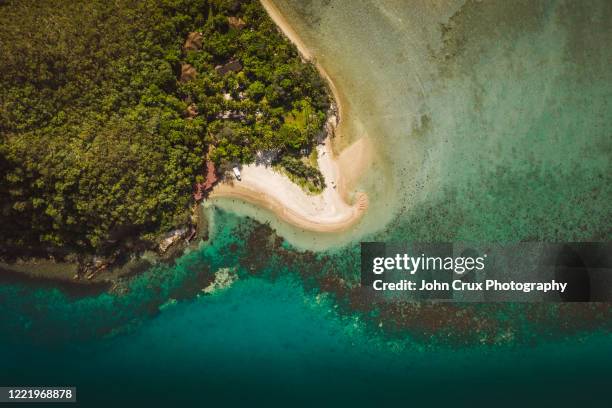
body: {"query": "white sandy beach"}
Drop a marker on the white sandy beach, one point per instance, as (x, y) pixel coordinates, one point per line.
(325, 212)
(336, 208)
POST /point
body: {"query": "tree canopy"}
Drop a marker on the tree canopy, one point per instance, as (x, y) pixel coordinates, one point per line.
(96, 146)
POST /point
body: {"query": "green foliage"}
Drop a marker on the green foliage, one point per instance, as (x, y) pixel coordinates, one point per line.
(303, 174)
(256, 90)
(95, 147)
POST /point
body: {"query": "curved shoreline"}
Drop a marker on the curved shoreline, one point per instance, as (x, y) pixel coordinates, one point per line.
(329, 211)
(325, 212)
(280, 21)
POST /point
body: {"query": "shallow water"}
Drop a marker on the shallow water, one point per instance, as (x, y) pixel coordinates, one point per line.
(497, 130)
(495, 127)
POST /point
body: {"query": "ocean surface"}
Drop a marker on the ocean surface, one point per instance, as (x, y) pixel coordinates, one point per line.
(490, 120)
(268, 339)
(492, 123)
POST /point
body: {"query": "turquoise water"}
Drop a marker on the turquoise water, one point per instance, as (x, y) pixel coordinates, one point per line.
(267, 338)
(491, 119)
(495, 128)
(269, 343)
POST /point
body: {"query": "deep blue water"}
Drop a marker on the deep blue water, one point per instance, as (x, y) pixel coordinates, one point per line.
(267, 341)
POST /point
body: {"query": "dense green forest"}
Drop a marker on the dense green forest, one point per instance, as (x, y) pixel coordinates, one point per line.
(107, 113)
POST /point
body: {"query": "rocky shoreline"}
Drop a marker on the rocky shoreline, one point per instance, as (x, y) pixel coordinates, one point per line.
(91, 273)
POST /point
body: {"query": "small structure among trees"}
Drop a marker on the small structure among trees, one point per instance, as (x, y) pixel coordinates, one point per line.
(193, 42)
(236, 22)
(232, 66)
(191, 111)
(188, 72)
